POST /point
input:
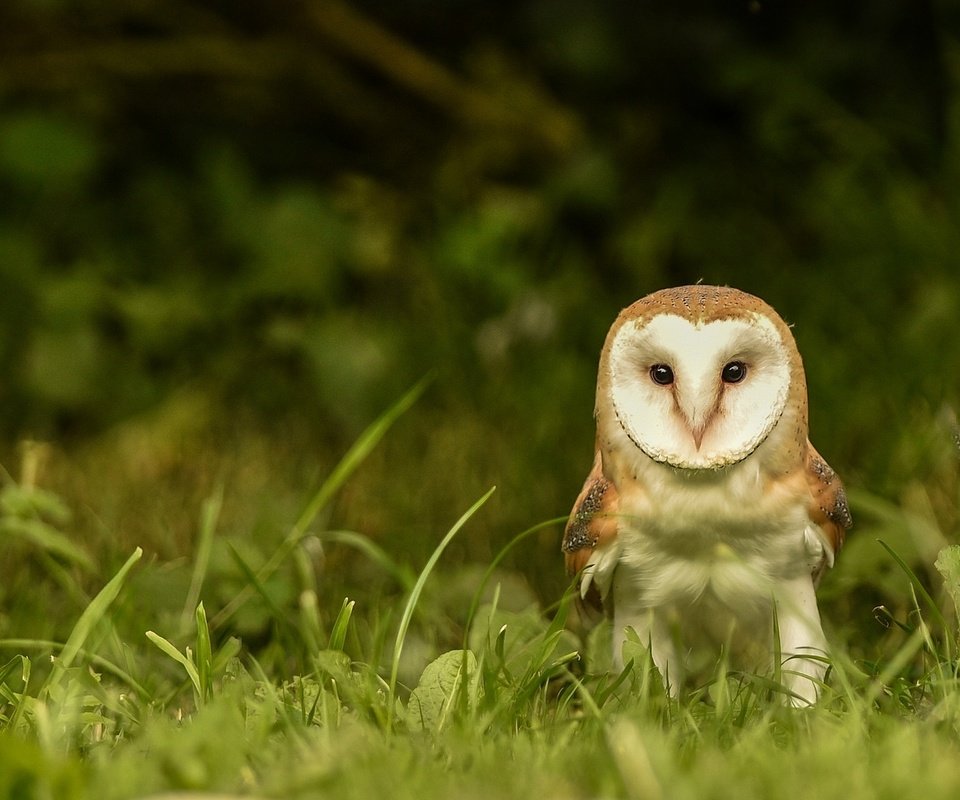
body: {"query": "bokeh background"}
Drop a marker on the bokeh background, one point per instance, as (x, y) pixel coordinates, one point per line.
(232, 233)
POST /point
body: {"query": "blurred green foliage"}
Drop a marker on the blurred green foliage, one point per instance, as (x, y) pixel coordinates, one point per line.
(275, 217)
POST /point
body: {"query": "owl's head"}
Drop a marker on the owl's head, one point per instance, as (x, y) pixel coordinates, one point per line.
(699, 377)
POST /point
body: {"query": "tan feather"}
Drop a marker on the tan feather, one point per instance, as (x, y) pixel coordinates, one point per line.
(828, 504)
(592, 523)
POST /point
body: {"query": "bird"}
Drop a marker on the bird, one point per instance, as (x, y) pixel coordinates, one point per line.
(707, 518)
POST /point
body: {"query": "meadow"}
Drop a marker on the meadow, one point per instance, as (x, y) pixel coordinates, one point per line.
(448, 685)
(300, 310)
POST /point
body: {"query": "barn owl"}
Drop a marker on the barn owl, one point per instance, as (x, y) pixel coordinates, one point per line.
(707, 514)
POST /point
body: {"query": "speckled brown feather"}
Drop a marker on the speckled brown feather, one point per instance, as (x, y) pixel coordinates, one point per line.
(592, 523)
(828, 506)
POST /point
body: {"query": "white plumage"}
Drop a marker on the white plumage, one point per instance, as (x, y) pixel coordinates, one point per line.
(707, 510)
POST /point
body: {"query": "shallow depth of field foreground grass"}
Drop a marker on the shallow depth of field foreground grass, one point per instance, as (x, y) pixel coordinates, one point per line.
(361, 698)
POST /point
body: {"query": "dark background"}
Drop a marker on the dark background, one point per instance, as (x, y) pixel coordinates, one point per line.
(233, 233)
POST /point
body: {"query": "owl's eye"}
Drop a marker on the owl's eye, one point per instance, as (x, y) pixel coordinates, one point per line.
(734, 372)
(661, 374)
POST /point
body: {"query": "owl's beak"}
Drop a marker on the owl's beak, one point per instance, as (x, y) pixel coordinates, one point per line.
(698, 435)
(698, 404)
(699, 424)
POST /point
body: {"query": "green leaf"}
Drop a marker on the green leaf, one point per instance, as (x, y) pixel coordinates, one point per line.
(437, 692)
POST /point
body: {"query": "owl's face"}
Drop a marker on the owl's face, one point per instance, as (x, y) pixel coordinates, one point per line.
(699, 393)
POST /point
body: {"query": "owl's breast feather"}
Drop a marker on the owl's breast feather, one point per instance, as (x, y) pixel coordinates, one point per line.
(731, 534)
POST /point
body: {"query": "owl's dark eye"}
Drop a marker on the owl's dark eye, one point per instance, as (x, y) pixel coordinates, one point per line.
(734, 372)
(661, 374)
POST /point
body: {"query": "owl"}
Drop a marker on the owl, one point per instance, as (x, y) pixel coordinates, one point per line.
(707, 518)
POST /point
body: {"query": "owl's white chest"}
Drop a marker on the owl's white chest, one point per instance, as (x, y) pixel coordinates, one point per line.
(700, 566)
(717, 542)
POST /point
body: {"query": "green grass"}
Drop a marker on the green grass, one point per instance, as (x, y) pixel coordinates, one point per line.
(417, 686)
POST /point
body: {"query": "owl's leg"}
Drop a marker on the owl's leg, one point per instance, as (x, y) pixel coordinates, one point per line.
(653, 632)
(802, 643)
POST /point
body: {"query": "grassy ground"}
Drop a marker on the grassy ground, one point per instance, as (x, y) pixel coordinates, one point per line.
(241, 670)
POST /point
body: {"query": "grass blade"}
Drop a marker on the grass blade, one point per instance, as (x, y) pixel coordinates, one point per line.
(168, 648)
(355, 456)
(352, 459)
(915, 581)
(209, 515)
(374, 552)
(204, 655)
(255, 583)
(475, 603)
(309, 620)
(900, 661)
(415, 598)
(19, 700)
(91, 615)
(97, 661)
(41, 535)
(339, 633)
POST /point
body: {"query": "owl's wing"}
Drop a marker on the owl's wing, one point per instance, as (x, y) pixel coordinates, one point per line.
(590, 543)
(828, 508)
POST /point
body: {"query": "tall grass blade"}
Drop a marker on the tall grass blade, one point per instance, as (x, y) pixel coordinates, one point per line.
(541, 664)
(587, 698)
(918, 585)
(415, 598)
(310, 620)
(204, 655)
(475, 603)
(352, 459)
(355, 456)
(209, 515)
(91, 615)
(777, 650)
(255, 582)
(339, 633)
(630, 755)
(607, 691)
